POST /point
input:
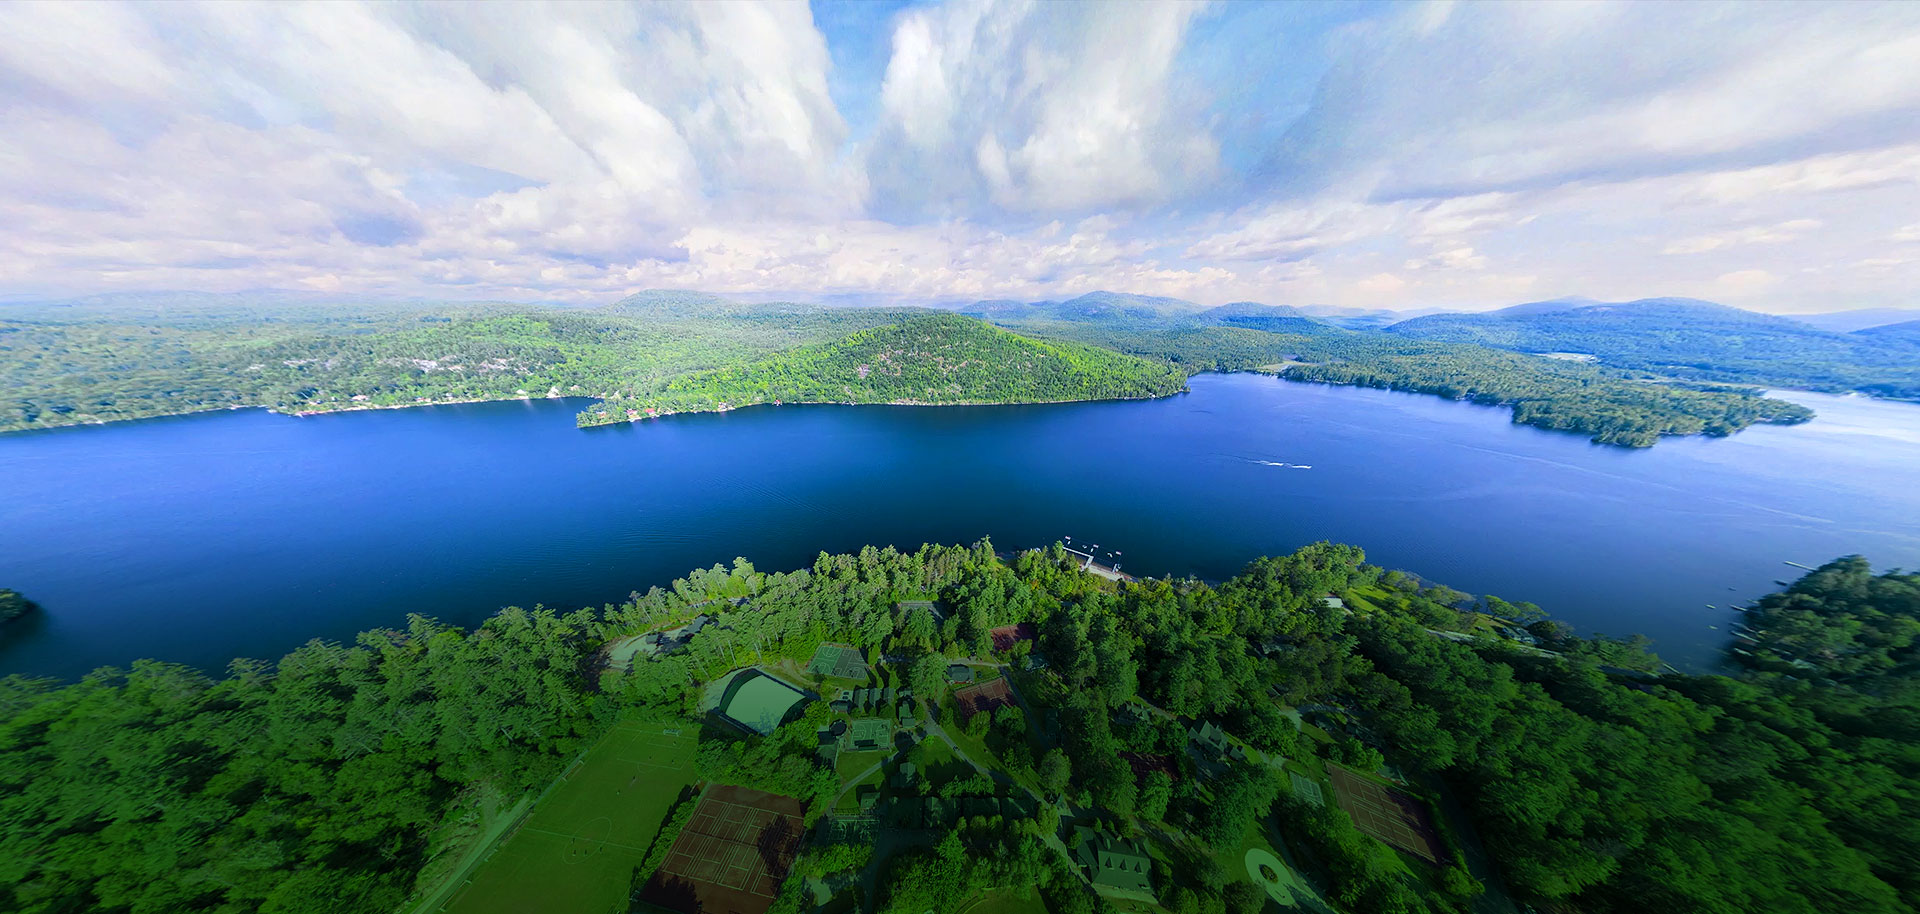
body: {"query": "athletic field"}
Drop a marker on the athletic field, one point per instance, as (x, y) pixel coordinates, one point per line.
(576, 851)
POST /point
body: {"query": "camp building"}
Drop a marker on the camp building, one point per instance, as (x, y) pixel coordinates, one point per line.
(1114, 862)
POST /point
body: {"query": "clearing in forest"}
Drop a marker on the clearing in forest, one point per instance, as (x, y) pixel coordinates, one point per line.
(577, 850)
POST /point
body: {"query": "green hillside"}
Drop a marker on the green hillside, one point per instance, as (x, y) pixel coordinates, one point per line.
(932, 358)
(106, 365)
(1609, 405)
(1691, 339)
(1907, 331)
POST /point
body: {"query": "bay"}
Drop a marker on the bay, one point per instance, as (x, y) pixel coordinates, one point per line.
(203, 538)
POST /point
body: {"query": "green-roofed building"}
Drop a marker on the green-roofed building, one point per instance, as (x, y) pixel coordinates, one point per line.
(869, 733)
(1114, 862)
(758, 702)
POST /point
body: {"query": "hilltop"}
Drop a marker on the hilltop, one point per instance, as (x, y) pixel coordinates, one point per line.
(1109, 308)
(1908, 331)
(1858, 319)
(927, 358)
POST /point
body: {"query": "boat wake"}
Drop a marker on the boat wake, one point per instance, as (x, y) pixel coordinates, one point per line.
(1284, 466)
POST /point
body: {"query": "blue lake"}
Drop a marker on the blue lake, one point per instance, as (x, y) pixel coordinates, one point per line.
(203, 538)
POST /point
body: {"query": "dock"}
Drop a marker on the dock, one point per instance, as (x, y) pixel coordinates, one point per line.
(1087, 564)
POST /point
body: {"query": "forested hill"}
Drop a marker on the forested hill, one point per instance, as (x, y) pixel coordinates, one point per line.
(1609, 405)
(1906, 331)
(931, 358)
(99, 361)
(331, 780)
(1844, 624)
(1692, 339)
(109, 366)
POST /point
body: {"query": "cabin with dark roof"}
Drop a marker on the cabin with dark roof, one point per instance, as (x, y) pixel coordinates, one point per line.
(1114, 862)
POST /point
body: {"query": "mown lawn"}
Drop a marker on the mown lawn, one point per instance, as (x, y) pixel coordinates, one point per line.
(577, 850)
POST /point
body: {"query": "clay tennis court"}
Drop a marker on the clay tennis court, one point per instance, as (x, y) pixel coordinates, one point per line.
(1006, 636)
(994, 693)
(732, 856)
(1387, 814)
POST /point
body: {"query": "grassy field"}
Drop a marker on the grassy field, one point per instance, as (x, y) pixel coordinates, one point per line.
(850, 764)
(1261, 843)
(576, 851)
(1003, 901)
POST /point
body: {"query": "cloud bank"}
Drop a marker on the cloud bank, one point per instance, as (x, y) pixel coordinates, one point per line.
(1467, 155)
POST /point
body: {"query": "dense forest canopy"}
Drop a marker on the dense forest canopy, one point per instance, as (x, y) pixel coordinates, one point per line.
(323, 782)
(1611, 406)
(925, 359)
(100, 369)
(669, 351)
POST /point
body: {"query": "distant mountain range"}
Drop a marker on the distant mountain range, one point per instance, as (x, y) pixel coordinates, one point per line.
(1859, 319)
(1681, 338)
(1157, 312)
(1909, 331)
(1692, 339)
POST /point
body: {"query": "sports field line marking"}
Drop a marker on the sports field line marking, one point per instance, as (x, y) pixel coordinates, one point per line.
(647, 764)
(555, 834)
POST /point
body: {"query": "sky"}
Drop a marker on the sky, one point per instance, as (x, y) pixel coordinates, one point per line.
(1467, 155)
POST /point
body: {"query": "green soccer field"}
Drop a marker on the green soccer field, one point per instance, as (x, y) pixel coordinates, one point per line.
(578, 848)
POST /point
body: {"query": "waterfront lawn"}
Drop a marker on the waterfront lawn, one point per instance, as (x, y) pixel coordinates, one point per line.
(578, 848)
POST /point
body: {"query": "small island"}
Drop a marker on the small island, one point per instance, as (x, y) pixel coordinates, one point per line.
(13, 605)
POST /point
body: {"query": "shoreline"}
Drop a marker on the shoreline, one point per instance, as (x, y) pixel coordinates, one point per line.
(292, 414)
(1262, 370)
(662, 414)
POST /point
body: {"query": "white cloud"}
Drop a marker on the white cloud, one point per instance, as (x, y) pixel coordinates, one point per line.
(242, 144)
(1460, 258)
(1454, 154)
(1381, 284)
(1505, 96)
(1756, 234)
(1031, 107)
(1745, 282)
